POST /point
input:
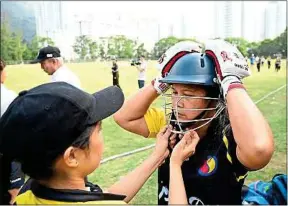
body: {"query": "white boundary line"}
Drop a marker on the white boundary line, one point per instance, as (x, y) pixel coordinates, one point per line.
(267, 95)
(127, 153)
(152, 145)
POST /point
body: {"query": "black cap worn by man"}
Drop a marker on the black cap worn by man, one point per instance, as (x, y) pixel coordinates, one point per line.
(53, 114)
(46, 53)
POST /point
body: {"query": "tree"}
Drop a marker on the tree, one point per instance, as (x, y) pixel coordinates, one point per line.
(270, 47)
(121, 46)
(36, 44)
(93, 50)
(44, 41)
(6, 40)
(33, 48)
(241, 44)
(81, 46)
(141, 51)
(281, 42)
(18, 47)
(162, 45)
(102, 53)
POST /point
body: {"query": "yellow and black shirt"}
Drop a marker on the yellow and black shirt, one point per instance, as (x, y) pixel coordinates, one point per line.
(35, 193)
(212, 176)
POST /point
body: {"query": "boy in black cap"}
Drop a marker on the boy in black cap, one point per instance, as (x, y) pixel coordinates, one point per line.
(7, 96)
(57, 128)
(52, 63)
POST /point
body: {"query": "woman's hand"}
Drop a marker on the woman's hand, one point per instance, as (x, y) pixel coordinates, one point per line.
(161, 148)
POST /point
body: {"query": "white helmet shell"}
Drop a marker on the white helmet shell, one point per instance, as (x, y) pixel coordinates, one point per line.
(180, 47)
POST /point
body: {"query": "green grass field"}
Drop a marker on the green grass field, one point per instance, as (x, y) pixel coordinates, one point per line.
(95, 76)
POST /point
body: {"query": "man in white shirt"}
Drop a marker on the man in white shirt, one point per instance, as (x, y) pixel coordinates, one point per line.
(142, 72)
(16, 175)
(52, 63)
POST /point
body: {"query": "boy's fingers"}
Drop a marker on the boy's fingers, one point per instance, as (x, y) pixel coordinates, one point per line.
(168, 132)
(194, 139)
(163, 130)
(172, 137)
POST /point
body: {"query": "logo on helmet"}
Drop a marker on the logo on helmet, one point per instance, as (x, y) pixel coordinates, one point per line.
(245, 67)
(161, 59)
(225, 57)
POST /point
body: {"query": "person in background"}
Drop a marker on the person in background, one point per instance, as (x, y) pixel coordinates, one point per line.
(269, 62)
(52, 63)
(278, 64)
(252, 60)
(258, 63)
(246, 58)
(142, 71)
(115, 72)
(262, 61)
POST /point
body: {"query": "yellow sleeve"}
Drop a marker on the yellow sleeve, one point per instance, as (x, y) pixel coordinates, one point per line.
(155, 120)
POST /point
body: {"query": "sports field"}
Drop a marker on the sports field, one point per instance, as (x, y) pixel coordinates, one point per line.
(95, 76)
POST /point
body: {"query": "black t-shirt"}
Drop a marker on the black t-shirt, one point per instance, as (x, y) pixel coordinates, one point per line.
(213, 175)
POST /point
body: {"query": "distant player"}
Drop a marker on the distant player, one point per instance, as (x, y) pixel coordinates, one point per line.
(258, 63)
(269, 62)
(252, 60)
(115, 72)
(278, 64)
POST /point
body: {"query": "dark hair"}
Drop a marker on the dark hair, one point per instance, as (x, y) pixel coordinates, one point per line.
(221, 123)
(2, 65)
(40, 166)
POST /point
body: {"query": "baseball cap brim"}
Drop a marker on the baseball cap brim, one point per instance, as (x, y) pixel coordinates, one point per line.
(107, 102)
(35, 61)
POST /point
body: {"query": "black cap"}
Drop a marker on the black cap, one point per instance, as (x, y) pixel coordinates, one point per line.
(52, 116)
(47, 53)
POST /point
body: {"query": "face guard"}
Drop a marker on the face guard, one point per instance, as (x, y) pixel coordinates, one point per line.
(190, 69)
(180, 126)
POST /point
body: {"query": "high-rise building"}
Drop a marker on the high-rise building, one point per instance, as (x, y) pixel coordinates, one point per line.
(281, 17)
(242, 19)
(227, 19)
(49, 18)
(275, 19)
